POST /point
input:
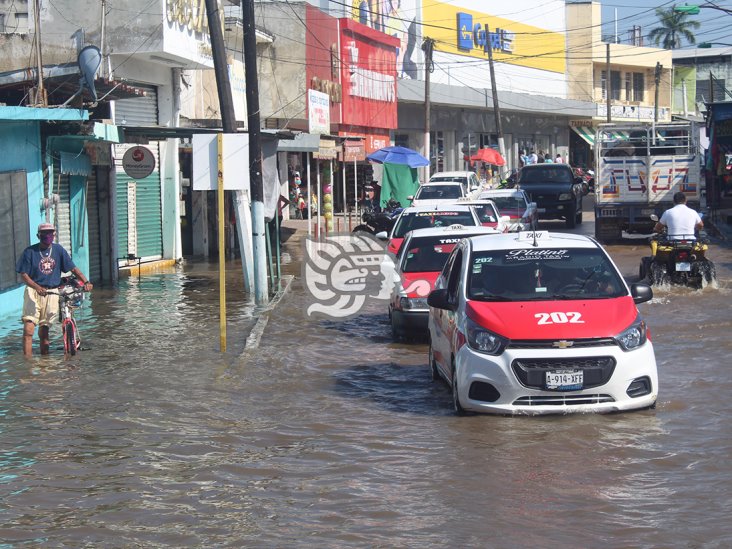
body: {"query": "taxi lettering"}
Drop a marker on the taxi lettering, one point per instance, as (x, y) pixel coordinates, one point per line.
(559, 318)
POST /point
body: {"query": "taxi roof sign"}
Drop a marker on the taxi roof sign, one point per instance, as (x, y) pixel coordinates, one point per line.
(524, 236)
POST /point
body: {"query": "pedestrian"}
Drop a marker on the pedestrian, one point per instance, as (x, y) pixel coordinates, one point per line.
(533, 158)
(540, 158)
(40, 267)
(559, 159)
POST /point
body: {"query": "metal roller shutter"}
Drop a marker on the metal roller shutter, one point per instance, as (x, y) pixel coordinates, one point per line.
(144, 194)
(92, 216)
(61, 186)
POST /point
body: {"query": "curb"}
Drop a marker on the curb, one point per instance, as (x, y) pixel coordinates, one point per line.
(255, 336)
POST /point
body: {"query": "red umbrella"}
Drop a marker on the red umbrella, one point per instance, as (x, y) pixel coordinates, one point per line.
(489, 156)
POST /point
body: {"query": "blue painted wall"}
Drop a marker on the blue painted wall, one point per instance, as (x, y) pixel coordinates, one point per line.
(20, 149)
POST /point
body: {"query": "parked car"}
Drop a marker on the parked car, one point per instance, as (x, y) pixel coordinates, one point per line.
(431, 194)
(423, 217)
(515, 204)
(469, 180)
(540, 323)
(555, 189)
(420, 261)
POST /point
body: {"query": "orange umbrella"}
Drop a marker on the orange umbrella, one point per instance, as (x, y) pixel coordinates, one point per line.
(489, 156)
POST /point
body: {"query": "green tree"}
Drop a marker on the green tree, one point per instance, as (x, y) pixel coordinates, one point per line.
(675, 28)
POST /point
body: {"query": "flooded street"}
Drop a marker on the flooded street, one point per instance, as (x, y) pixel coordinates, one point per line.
(331, 435)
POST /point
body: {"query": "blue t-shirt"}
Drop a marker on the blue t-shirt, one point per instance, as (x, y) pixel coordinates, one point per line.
(45, 267)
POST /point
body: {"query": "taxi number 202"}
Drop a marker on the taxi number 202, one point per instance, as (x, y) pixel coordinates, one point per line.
(559, 318)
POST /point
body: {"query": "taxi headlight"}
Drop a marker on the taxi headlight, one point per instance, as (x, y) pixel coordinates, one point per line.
(482, 340)
(565, 196)
(632, 337)
(408, 303)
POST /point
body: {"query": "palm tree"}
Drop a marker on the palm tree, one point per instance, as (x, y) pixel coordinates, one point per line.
(675, 27)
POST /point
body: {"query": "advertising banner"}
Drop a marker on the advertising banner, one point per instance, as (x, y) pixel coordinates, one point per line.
(318, 112)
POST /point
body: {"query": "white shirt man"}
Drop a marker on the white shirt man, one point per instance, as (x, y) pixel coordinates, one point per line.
(680, 221)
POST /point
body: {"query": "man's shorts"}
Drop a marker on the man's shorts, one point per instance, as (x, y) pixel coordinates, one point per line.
(39, 309)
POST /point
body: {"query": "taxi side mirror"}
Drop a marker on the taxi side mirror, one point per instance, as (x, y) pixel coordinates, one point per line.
(641, 293)
(410, 197)
(382, 235)
(439, 300)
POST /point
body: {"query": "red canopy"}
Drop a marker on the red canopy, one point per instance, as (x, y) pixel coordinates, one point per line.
(489, 156)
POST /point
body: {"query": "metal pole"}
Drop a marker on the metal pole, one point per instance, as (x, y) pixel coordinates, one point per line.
(496, 106)
(658, 84)
(101, 39)
(310, 200)
(222, 252)
(41, 91)
(255, 153)
(427, 47)
(355, 192)
(320, 194)
(607, 80)
(345, 205)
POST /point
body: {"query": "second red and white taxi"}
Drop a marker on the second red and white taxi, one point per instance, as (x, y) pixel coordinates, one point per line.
(420, 261)
(540, 323)
(424, 217)
(514, 203)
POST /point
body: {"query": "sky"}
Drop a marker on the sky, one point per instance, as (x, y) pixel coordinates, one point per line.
(715, 25)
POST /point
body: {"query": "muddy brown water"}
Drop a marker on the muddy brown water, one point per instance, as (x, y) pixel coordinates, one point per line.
(331, 435)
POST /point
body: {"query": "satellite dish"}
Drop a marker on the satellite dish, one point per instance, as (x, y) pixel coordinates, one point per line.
(89, 60)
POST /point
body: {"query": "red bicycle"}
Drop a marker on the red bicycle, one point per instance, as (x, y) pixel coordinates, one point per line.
(71, 296)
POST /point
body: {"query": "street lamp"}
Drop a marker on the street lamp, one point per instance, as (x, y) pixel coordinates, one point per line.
(707, 45)
(694, 9)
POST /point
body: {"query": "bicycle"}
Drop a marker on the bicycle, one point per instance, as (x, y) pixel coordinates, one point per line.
(71, 296)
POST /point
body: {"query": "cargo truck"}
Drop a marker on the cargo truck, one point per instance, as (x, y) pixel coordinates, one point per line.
(638, 168)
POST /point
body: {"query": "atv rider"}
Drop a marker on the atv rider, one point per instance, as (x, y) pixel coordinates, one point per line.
(680, 222)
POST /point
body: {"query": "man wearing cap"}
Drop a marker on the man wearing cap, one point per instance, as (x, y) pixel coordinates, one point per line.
(40, 267)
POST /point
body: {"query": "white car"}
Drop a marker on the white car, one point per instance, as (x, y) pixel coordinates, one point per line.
(469, 180)
(488, 213)
(432, 194)
(418, 264)
(540, 323)
(514, 203)
(423, 217)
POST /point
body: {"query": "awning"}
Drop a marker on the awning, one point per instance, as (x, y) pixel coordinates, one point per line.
(304, 142)
(75, 164)
(587, 133)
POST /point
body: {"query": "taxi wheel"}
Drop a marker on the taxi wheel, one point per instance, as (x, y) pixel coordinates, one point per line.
(459, 410)
(434, 373)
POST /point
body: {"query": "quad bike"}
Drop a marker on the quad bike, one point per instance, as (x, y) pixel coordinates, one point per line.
(680, 262)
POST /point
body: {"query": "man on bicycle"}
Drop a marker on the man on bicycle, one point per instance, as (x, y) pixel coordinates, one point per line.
(40, 266)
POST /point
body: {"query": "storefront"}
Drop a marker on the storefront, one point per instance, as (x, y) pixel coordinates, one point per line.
(719, 155)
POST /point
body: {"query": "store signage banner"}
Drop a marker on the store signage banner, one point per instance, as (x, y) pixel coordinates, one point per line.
(318, 112)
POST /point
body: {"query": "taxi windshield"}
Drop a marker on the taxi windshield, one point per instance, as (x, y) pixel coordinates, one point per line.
(509, 202)
(543, 274)
(428, 254)
(438, 192)
(424, 220)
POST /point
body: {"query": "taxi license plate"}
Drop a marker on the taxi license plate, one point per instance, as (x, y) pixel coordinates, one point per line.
(683, 266)
(565, 380)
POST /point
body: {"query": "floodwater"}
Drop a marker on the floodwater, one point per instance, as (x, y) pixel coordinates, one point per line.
(331, 435)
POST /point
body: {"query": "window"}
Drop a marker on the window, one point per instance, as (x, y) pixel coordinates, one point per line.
(628, 86)
(615, 85)
(703, 94)
(603, 84)
(437, 146)
(638, 86)
(14, 229)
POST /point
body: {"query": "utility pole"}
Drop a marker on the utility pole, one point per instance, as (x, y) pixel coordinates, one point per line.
(427, 46)
(658, 88)
(228, 122)
(711, 87)
(255, 154)
(40, 90)
(607, 81)
(496, 107)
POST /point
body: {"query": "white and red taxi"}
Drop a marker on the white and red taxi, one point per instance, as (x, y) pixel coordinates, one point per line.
(420, 261)
(514, 203)
(423, 217)
(488, 213)
(540, 323)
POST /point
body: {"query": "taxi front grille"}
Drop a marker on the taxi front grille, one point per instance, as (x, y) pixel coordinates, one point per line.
(596, 371)
(563, 400)
(557, 344)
